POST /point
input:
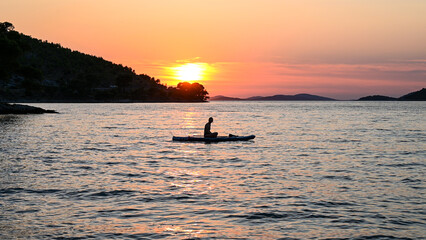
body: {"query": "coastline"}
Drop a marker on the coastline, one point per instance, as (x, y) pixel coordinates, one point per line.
(7, 108)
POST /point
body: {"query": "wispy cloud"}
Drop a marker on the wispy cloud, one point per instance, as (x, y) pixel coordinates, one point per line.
(189, 60)
(413, 71)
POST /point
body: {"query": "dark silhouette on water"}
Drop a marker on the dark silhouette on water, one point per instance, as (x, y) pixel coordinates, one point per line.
(197, 138)
(297, 97)
(413, 96)
(207, 132)
(6, 108)
(377, 98)
(209, 137)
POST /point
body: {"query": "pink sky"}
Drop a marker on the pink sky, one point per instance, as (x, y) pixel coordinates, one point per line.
(335, 48)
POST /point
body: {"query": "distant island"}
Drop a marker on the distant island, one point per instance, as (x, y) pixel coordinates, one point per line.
(32, 70)
(297, 97)
(377, 98)
(414, 96)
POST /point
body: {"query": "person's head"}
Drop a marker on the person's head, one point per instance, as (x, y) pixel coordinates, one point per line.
(210, 120)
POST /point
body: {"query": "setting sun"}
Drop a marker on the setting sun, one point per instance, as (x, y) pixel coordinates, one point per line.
(190, 71)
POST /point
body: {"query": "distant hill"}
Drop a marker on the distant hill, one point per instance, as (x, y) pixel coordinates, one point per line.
(224, 98)
(255, 98)
(32, 70)
(297, 97)
(414, 96)
(377, 98)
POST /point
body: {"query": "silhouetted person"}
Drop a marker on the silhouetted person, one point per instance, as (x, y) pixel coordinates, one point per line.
(207, 132)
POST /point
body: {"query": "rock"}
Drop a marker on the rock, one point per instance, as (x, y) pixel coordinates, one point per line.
(6, 108)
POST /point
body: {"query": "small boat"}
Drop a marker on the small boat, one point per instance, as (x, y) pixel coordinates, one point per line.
(200, 138)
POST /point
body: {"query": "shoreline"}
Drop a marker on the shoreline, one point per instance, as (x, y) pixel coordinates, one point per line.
(7, 108)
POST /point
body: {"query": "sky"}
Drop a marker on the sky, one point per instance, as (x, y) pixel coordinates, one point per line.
(343, 49)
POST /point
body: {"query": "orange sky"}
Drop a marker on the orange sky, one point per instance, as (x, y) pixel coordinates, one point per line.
(336, 48)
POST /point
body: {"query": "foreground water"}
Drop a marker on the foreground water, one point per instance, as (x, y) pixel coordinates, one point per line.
(315, 170)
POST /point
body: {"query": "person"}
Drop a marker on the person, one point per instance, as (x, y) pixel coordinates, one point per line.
(207, 132)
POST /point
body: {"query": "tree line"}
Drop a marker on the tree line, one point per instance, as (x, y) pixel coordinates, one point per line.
(36, 70)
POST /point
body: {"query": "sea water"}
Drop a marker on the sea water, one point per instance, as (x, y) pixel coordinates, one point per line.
(316, 170)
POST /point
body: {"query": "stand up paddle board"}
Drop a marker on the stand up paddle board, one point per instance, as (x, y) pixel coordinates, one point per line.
(200, 138)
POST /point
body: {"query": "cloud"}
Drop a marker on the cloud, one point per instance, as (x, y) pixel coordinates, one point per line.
(189, 60)
(412, 71)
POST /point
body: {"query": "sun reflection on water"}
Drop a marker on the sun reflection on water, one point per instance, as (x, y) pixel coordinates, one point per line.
(112, 171)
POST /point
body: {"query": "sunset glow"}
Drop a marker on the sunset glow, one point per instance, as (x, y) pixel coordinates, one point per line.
(189, 72)
(340, 49)
(213, 119)
(183, 71)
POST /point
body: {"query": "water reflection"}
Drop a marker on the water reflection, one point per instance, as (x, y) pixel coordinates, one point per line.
(112, 171)
(10, 120)
(191, 122)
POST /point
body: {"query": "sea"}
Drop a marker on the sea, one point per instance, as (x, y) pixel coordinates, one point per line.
(316, 170)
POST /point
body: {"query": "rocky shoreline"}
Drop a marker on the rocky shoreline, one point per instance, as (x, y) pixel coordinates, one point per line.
(6, 108)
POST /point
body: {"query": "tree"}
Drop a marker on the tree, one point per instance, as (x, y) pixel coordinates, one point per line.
(9, 55)
(30, 72)
(123, 80)
(6, 27)
(192, 91)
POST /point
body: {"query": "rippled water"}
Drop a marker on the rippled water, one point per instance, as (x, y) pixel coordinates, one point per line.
(315, 170)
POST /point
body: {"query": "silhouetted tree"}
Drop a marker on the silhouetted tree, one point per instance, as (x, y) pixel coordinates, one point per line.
(123, 80)
(6, 27)
(31, 82)
(192, 91)
(198, 92)
(9, 54)
(30, 72)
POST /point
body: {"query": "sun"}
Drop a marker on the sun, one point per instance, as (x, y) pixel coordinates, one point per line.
(190, 71)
